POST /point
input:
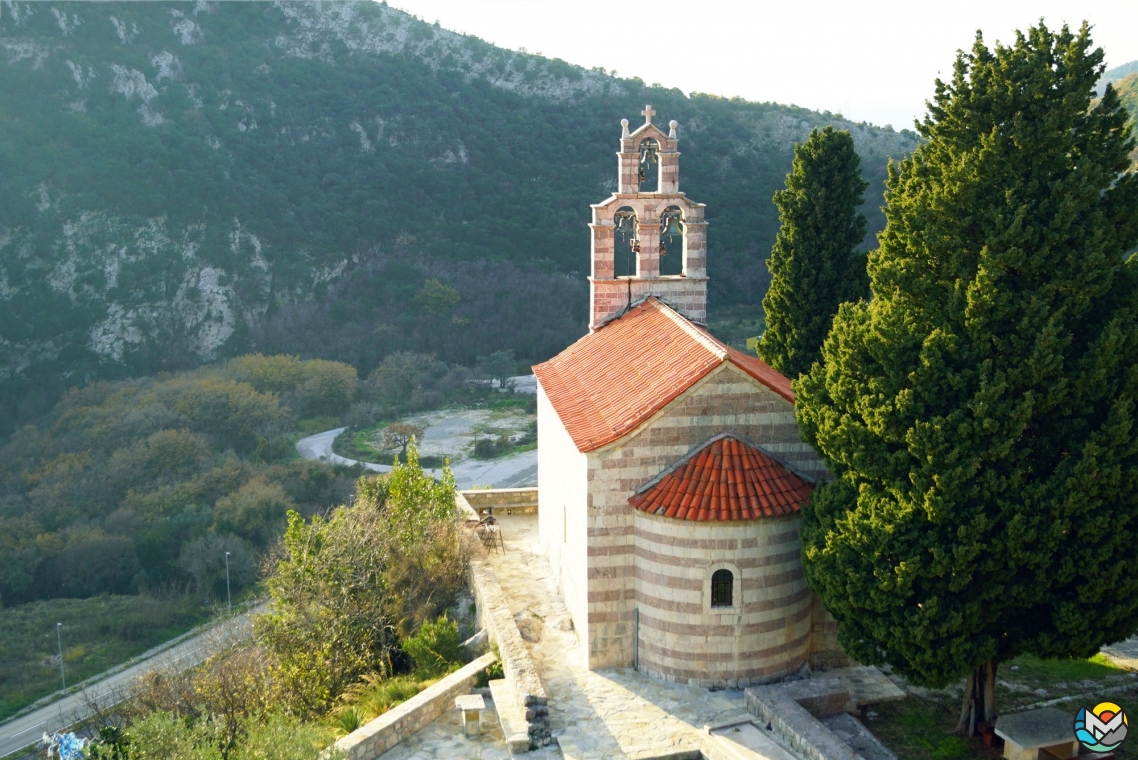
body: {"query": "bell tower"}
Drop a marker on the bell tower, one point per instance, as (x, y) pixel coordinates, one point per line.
(648, 238)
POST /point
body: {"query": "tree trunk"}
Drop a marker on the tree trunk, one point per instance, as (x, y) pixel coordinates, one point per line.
(979, 703)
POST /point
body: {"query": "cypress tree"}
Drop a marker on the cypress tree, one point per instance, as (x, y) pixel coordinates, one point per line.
(813, 264)
(978, 411)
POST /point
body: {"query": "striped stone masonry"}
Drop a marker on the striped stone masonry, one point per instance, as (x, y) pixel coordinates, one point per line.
(628, 561)
(686, 291)
(764, 635)
(624, 404)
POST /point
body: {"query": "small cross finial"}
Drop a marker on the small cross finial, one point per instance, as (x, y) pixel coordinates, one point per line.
(648, 113)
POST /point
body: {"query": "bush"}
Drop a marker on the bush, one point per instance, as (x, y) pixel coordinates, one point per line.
(436, 649)
(256, 511)
(492, 672)
(348, 587)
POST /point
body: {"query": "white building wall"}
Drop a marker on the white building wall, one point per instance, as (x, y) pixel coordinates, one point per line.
(562, 498)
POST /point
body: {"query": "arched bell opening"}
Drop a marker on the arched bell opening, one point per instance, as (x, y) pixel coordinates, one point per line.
(649, 166)
(626, 242)
(671, 242)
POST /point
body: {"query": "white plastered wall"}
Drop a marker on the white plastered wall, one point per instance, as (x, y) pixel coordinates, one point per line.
(562, 498)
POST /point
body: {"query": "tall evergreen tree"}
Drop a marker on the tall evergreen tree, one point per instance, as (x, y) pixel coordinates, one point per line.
(814, 266)
(978, 411)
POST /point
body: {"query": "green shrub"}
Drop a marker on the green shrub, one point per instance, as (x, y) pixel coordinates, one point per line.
(349, 719)
(491, 672)
(381, 695)
(436, 649)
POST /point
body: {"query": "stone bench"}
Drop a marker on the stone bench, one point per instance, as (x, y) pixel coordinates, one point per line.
(1028, 734)
(472, 706)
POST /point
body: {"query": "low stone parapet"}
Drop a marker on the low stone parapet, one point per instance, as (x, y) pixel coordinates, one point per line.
(790, 709)
(521, 675)
(524, 685)
(376, 737)
(503, 501)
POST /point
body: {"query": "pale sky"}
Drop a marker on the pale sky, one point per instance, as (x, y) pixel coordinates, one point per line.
(873, 60)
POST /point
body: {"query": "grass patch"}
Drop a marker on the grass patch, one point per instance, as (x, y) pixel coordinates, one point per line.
(1051, 672)
(357, 444)
(527, 404)
(921, 729)
(314, 425)
(97, 634)
(503, 444)
(490, 448)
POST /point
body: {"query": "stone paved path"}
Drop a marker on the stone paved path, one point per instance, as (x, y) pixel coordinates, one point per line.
(604, 714)
(443, 740)
(1124, 654)
(608, 714)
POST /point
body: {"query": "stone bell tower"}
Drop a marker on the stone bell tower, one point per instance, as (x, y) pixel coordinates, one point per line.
(648, 238)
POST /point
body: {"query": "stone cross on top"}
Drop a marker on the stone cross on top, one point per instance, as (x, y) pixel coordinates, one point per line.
(648, 113)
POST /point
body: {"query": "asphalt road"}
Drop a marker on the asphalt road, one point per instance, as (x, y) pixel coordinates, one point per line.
(27, 729)
(517, 471)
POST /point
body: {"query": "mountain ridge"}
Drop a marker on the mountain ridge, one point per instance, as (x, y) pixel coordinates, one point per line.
(189, 181)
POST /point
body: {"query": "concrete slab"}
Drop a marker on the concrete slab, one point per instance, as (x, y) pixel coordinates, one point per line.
(747, 741)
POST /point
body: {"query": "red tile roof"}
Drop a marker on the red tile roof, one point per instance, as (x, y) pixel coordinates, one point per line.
(725, 479)
(609, 382)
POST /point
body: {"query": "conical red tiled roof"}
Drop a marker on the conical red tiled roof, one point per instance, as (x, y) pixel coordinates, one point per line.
(612, 380)
(725, 479)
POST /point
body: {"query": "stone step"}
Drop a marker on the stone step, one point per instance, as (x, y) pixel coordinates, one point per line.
(747, 741)
(867, 685)
(511, 718)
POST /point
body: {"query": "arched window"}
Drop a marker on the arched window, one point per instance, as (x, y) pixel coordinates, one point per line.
(650, 166)
(722, 589)
(626, 242)
(671, 241)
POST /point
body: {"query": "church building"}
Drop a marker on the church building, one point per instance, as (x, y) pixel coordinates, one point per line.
(670, 465)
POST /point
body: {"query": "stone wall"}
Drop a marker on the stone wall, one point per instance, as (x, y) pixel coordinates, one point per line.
(763, 636)
(726, 401)
(513, 501)
(373, 739)
(792, 710)
(494, 615)
(825, 652)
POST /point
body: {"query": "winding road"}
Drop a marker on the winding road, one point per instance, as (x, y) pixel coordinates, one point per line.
(26, 729)
(516, 471)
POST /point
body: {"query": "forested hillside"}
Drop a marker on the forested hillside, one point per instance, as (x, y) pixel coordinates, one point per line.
(148, 482)
(188, 181)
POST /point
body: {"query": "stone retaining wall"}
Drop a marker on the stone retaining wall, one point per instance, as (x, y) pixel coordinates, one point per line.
(494, 615)
(373, 739)
(790, 709)
(517, 501)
